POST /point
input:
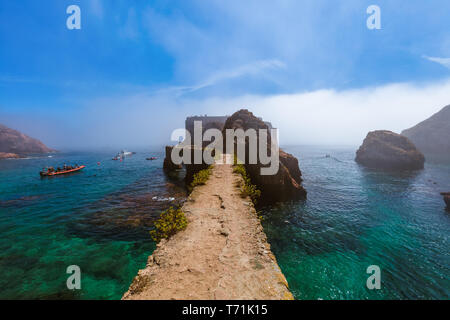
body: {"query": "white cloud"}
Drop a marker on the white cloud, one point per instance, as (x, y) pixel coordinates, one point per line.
(442, 61)
(323, 116)
(251, 69)
(337, 117)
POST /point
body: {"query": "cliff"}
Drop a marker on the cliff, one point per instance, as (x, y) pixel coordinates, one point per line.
(222, 254)
(16, 143)
(390, 151)
(286, 183)
(432, 136)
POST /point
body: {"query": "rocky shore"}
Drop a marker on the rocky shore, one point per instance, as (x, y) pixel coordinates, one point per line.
(8, 155)
(14, 144)
(222, 254)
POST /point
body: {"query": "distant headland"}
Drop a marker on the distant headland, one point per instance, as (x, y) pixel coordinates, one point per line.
(14, 144)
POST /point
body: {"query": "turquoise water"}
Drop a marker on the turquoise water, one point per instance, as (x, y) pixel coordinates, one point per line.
(354, 218)
(99, 219)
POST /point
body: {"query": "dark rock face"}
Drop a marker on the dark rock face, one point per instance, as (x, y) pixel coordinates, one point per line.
(286, 183)
(432, 136)
(12, 141)
(390, 151)
(168, 165)
(446, 199)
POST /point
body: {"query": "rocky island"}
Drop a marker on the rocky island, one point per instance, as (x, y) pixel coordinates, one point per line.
(387, 150)
(14, 144)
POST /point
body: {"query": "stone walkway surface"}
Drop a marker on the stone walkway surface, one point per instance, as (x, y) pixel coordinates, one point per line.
(222, 254)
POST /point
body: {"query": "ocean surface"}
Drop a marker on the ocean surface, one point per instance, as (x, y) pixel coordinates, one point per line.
(99, 220)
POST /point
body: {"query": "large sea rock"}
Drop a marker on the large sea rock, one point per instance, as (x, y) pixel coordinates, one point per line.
(16, 143)
(432, 136)
(390, 151)
(286, 184)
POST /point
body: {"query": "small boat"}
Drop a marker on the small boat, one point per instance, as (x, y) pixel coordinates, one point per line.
(57, 173)
(152, 158)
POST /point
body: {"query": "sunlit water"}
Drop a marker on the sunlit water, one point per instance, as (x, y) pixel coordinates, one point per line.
(99, 220)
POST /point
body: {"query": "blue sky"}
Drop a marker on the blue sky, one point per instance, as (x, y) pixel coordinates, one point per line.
(146, 65)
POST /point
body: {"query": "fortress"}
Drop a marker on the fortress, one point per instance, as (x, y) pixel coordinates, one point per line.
(209, 122)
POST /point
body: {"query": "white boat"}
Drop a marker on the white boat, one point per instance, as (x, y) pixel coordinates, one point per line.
(125, 153)
(122, 154)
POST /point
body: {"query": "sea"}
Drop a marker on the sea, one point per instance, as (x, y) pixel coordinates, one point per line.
(99, 220)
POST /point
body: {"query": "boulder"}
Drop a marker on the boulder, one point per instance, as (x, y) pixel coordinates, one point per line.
(286, 183)
(387, 150)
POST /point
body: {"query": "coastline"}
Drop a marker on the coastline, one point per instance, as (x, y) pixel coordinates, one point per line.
(222, 254)
(8, 155)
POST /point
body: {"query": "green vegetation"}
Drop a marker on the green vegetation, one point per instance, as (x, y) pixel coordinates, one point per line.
(170, 222)
(248, 189)
(200, 178)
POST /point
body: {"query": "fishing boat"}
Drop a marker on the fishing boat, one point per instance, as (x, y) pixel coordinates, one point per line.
(61, 172)
(152, 158)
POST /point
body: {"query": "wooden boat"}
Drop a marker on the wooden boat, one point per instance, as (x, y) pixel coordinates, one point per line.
(57, 173)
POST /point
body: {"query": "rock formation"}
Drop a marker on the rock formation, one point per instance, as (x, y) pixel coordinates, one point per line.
(432, 136)
(390, 151)
(168, 165)
(6, 155)
(15, 143)
(446, 199)
(286, 183)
